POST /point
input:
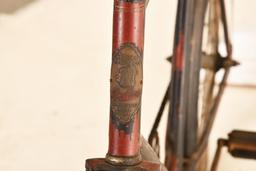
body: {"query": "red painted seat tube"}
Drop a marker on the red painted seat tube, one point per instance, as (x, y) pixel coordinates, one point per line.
(126, 82)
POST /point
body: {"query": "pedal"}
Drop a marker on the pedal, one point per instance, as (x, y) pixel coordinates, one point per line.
(242, 144)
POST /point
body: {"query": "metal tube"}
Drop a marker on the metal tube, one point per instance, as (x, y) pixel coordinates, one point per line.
(126, 82)
(176, 125)
(126, 90)
(221, 143)
(194, 38)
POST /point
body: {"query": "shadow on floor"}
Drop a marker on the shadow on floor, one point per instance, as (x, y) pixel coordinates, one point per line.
(11, 6)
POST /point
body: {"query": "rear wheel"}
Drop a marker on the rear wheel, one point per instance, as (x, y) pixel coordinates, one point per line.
(215, 66)
(203, 79)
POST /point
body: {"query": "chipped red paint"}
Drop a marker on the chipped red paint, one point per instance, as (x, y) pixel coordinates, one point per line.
(171, 160)
(128, 27)
(179, 53)
(122, 144)
(128, 23)
(171, 163)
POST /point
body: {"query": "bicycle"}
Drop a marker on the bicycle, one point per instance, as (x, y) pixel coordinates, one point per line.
(186, 135)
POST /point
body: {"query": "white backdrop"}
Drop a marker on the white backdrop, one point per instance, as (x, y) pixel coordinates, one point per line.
(54, 81)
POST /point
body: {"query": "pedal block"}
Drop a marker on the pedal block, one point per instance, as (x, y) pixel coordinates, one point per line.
(242, 144)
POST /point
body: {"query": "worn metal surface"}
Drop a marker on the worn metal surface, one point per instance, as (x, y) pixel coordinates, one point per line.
(102, 165)
(181, 139)
(126, 82)
(175, 127)
(124, 152)
(150, 162)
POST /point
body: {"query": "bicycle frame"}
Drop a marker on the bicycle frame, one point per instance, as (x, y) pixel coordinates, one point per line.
(126, 89)
(127, 150)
